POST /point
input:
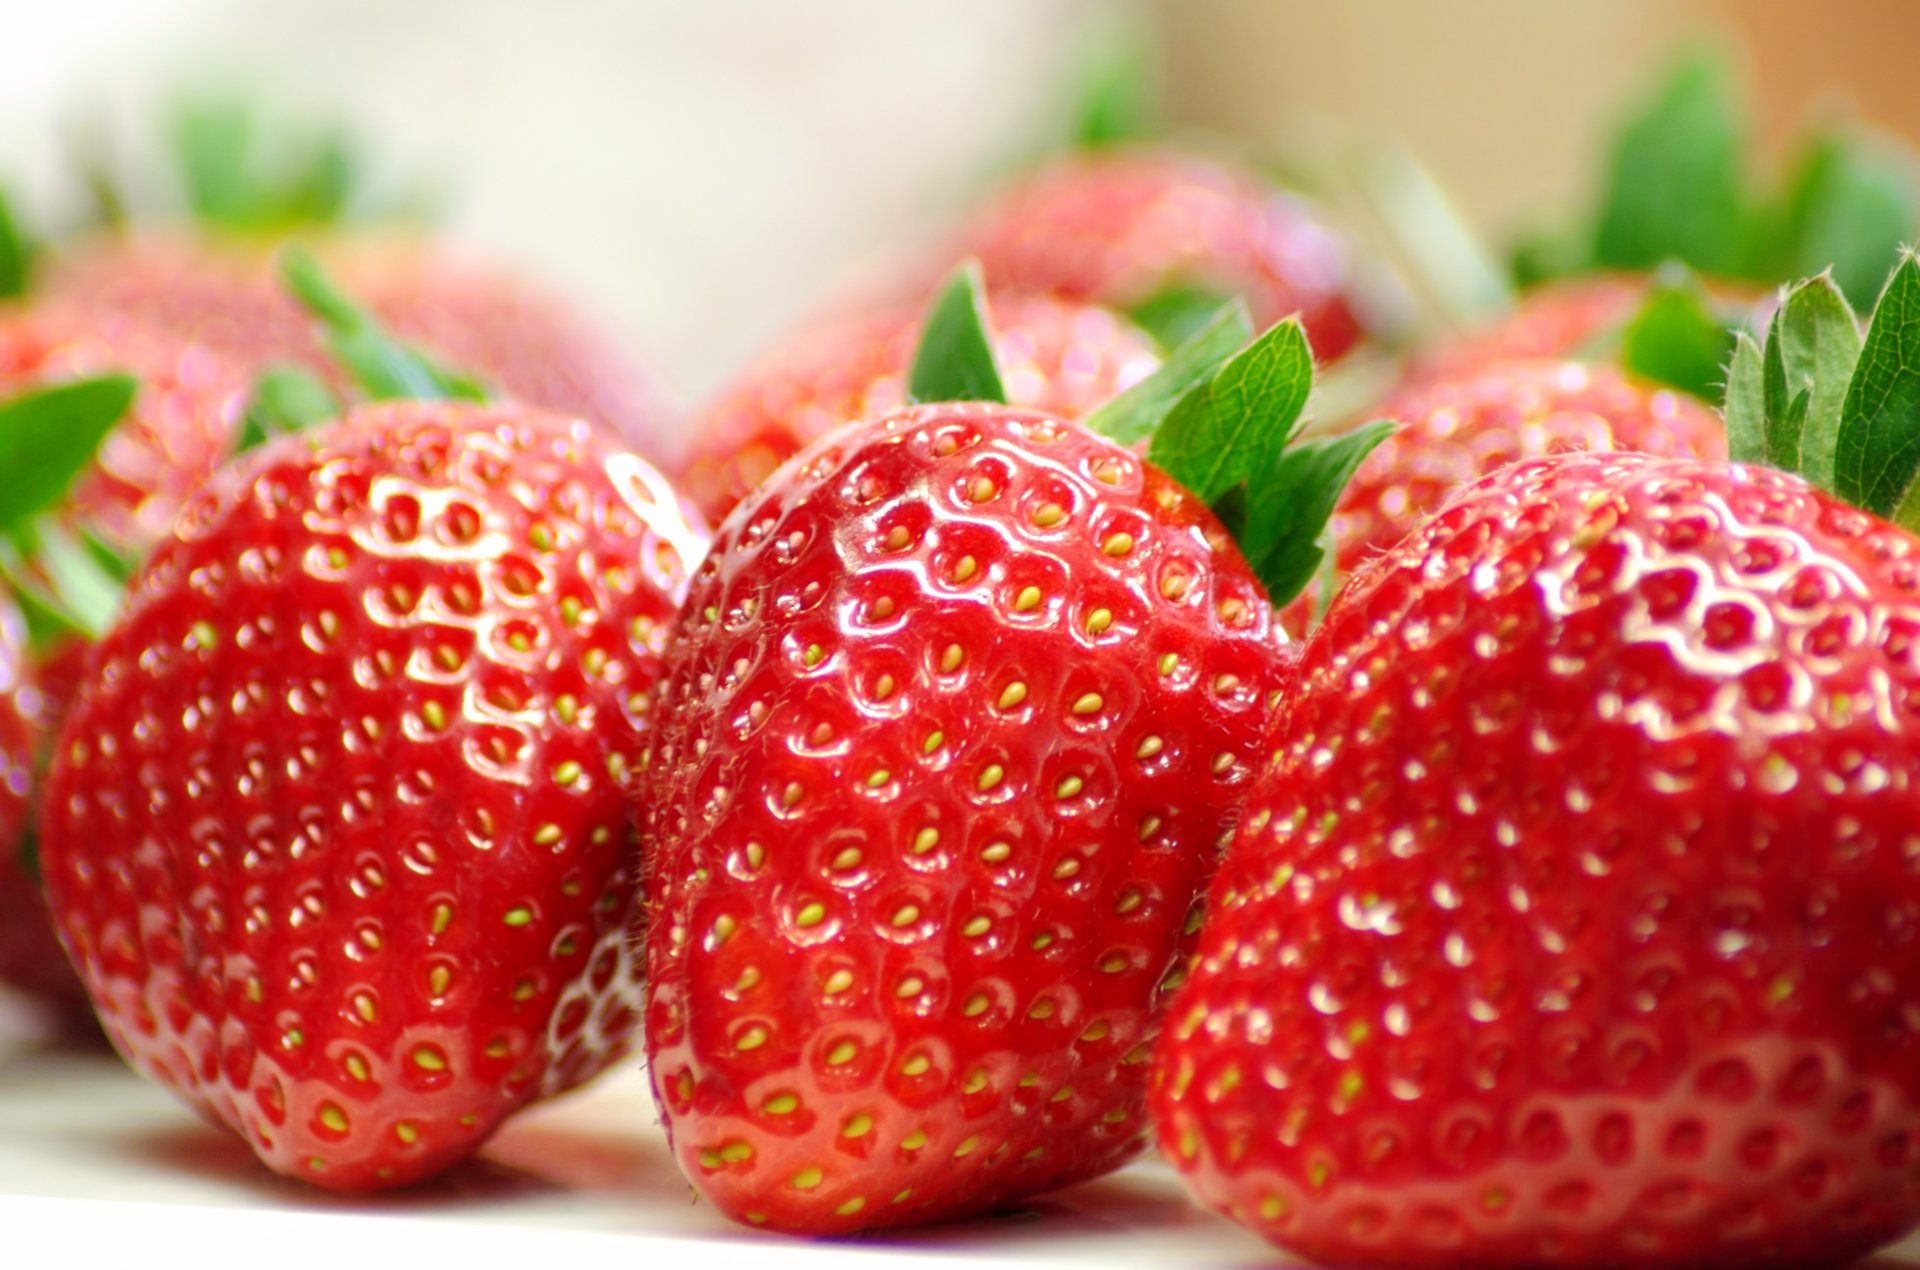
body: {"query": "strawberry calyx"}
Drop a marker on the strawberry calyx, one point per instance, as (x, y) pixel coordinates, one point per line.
(1222, 416)
(1679, 337)
(17, 251)
(66, 582)
(1680, 186)
(1817, 397)
(383, 367)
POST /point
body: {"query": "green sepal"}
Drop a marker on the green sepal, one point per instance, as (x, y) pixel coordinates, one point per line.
(384, 368)
(1176, 313)
(1287, 514)
(1132, 416)
(236, 176)
(1677, 340)
(48, 437)
(954, 358)
(65, 593)
(16, 253)
(1819, 340)
(1231, 426)
(1848, 204)
(1676, 174)
(1119, 94)
(1746, 406)
(1877, 450)
(285, 399)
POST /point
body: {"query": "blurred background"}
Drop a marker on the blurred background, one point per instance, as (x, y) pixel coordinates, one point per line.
(702, 174)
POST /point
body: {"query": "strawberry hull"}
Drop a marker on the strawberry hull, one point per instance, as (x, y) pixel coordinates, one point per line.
(336, 829)
(956, 716)
(1575, 920)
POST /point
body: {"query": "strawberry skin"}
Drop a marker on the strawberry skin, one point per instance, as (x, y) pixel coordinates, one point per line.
(1559, 319)
(30, 956)
(511, 334)
(1119, 226)
(1059, 356)
(954, 721)
(1461, 427)
(1573, 922)
(335, 830)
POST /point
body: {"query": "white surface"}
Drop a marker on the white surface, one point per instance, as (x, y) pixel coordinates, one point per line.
(100, 1168)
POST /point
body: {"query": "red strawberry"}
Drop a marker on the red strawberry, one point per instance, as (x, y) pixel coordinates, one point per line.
(1135, 229)
(1459, 428)
(954, 719)
(30, 956)
(182, 425)
(509, 332)
(334, 830)
(1573, 922)
(1559, 319)
(1057, 355)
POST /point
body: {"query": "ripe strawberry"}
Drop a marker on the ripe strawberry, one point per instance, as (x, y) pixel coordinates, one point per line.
(1057, 355)
(1556, 320)
(515, 335)
(182, 425)
(1573, 921)
(1145, 231)
(334, 830)
(30, 956)
(1456, 429)
(952, 724)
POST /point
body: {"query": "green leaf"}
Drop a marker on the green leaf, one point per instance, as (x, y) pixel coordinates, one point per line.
(1227, 428)
(1177, 313)
(1545, 254)
(214, 147)
(47, 438)
(16, 253)
(1746, 407)
(88, 592)
(1132, 416)
(1849, 204)
(384, 368)
(1287, 512)
(1783, 432)
(1820, 346)
(1676, 340)
(1878, 449)
(1675, 175)
(285, 399)
(243, 171)
(1119, 94)
(954, 359)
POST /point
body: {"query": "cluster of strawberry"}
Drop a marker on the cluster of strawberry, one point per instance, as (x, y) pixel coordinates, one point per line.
(978, 799)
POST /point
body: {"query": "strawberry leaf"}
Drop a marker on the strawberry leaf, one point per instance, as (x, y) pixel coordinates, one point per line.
(1175, 314)
(285, 399)
(48, 437)
(1676, 340)
(238, 176)
(1119, 96)
(16, 253)
(1287, 511)
(1820, 346)
(1132, 416)
(1675, 176)
(384, 368)
(1746, 407)
(954, 359)
(1877, 451)
(1235, 424)
(1849, 204)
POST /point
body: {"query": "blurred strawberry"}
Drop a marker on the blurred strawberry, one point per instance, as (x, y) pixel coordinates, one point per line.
(1055, 355)
(1165, 236)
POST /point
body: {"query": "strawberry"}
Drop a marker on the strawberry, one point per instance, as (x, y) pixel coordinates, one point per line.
(1164, 236)
(512, 333)
(1556, 320)
(30, 956)
(1057, 355)
(182, 425)
(1458, 428)
(951, 725)
(334, 830)
(1571, 922)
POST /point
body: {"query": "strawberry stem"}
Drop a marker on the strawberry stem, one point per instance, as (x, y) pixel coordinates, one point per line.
(384, 368)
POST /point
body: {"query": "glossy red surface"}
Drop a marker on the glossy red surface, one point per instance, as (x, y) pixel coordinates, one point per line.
(1575, 920)
(1060, 356)
(336, 826)
(955, 720)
